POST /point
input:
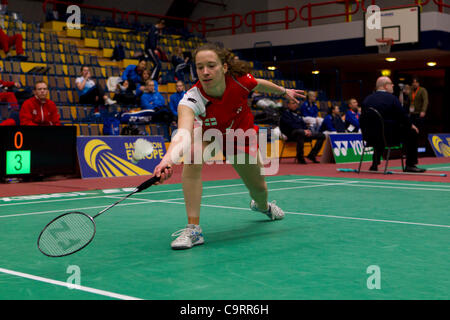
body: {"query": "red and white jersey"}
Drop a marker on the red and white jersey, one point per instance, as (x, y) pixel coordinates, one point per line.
(231, 111)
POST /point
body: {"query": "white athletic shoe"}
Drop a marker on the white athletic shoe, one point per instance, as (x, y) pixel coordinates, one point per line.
(110, 101)
(188, 237)
(274, 212)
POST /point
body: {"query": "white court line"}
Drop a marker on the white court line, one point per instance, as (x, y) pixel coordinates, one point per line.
(129, 204)
(437, 168)
(150, 192)
(305, 180)
(402, 188)
(383, 183)
(324, 215)
(65, 284)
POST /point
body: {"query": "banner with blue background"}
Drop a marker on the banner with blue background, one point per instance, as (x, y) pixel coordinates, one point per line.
(440, 142)
(105, 157)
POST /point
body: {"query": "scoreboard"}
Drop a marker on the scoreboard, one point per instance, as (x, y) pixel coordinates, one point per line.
(29, 151)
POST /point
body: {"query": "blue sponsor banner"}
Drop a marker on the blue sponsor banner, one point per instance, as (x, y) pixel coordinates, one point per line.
(105, 157)
(440, 142)
(348, 147)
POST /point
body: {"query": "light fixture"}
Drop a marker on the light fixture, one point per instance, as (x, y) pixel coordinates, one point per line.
(271, 68)
(315, 72)
(386, 73)
(431, 64)
(390, 59)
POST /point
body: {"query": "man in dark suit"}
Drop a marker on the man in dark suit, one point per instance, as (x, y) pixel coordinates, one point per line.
(397, 124)
(293, 126)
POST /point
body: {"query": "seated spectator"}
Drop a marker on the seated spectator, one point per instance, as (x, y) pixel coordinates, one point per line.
(310, 112)
(152, 99)
(11, 99)
(294, 127)
(7, 96)
(146, 75)
(12, 120)
(90, 92)
(38, 110)
(397, 125)
(260, 101)
(123, 93)
(176, 97)
(6, 42)
(133, 74)
(333, 122)
(352, 116)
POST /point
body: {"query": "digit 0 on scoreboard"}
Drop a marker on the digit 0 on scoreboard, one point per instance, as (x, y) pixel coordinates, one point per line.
(18, 137)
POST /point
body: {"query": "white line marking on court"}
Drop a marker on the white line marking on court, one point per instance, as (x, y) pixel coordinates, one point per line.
(326, 216)
(402, 188)
(341, 183)
(150, 192)
(67, 285)
(384, 183)
(437, 168)
(236, 193)
(148, 200)
(65, 210)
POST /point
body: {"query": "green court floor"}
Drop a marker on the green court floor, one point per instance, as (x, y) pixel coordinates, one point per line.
(336, 232)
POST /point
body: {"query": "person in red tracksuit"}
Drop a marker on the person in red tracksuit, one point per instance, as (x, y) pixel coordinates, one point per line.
(38, 110)
(7, 41)
(9, 97)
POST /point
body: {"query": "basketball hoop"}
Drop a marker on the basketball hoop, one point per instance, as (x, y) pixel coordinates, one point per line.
(385, 45)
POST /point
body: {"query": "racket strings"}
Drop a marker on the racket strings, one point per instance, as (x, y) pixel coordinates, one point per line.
(67, 234)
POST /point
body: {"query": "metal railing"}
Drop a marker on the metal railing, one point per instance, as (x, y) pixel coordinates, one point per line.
(286, 20)
(441, 5)
(202, 25)
(420, 3)
(234, 21)
(310, 6)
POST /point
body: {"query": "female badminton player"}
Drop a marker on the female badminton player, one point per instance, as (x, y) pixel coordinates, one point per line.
(219, 101)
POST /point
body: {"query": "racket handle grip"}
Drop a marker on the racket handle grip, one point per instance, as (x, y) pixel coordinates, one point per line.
(148, 183)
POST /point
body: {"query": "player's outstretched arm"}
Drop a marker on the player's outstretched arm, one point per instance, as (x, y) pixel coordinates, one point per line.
(270, 87)
(179, 144)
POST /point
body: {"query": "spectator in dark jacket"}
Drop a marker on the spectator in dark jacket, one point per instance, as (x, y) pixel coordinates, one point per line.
(397, 124)
(151, 52)
(293, 126)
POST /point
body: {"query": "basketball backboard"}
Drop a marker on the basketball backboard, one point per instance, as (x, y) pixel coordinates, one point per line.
(402, 25)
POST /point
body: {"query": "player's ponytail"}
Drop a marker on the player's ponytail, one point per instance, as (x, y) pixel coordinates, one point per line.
(236, 67)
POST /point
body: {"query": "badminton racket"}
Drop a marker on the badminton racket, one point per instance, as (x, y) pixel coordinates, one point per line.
(73, 231)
